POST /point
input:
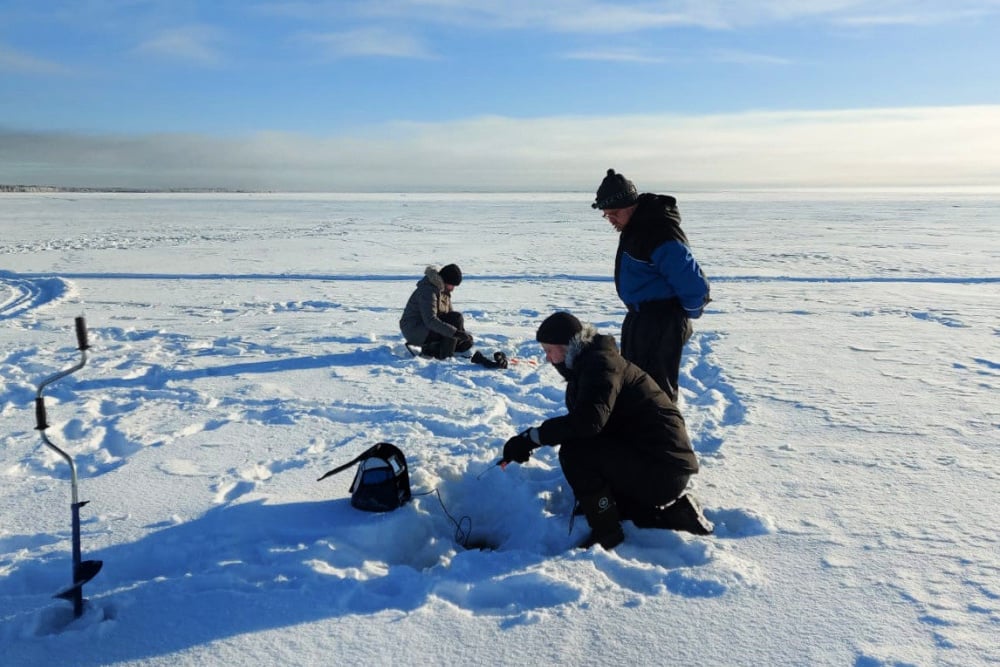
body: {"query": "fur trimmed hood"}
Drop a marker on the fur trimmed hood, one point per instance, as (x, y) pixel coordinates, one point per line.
(579, 342)
(423, 311)
(433, 277)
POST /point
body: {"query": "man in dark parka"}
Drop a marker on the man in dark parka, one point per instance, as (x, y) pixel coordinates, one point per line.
(624, 447)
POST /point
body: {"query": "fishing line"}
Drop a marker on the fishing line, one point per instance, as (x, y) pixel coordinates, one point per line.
(497, 464)
(461, 534)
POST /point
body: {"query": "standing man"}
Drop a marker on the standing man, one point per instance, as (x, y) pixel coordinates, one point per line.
(429, 321)
(656, 276)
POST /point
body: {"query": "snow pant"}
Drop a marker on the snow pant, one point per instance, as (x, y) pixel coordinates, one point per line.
(463, 341)
(635, 478)
(653, 338)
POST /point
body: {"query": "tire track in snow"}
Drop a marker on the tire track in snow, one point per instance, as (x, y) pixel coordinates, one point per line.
(20, 294)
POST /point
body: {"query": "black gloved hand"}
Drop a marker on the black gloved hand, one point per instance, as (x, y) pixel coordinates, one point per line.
(518, 449)
(499, 360)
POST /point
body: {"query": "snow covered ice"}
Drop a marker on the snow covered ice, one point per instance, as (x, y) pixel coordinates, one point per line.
(841, 392)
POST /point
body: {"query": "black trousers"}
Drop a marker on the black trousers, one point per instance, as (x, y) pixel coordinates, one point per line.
(653, 339)
(635, 478)
(455, 319)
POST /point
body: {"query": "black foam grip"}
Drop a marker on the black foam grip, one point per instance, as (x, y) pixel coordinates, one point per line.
(40, 417)
(81, 333)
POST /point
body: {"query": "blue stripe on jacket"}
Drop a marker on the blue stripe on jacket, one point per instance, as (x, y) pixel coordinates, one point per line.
(672, 272)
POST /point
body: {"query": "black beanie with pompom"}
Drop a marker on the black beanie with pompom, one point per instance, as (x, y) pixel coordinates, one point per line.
(616, 191)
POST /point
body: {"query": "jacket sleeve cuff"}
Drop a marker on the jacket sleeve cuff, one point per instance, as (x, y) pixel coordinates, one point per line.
(694, 313)
(533, 435)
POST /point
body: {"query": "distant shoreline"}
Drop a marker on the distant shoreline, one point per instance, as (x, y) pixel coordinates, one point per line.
(900, 189)
(57, 188)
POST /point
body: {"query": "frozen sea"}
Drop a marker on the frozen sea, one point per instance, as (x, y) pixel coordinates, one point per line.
(841, 392)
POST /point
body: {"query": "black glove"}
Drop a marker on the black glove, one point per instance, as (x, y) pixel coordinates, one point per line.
(518, 449)
(499, 360)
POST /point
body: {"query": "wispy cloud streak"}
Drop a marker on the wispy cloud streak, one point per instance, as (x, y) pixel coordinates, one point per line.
(192, 44)
(370, 41)
(17, 62)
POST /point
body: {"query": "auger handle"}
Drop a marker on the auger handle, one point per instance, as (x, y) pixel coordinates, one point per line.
(41, 419)
(81, 333)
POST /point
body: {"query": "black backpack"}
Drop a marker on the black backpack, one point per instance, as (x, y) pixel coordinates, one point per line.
(382, 482)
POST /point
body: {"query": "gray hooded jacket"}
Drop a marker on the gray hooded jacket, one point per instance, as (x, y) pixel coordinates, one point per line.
(426, 304)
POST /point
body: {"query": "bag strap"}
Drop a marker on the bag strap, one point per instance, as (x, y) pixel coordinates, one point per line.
(382, 450)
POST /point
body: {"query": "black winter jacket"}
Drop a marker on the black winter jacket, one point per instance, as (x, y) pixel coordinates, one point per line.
(610, 397)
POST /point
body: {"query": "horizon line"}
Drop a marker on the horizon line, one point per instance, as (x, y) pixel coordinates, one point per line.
(6, 188)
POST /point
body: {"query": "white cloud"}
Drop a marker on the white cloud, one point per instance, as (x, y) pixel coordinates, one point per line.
(735, 57)
(926, 17)
(623, 16)
(194, 44)
(16, 62)
(372, 41)
(937, 146)
(659, 56)
(607, 18)
(615, 55)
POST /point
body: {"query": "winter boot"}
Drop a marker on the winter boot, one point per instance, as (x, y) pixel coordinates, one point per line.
(683, 514)
(447, 347)
(463, 341)
(602, 515)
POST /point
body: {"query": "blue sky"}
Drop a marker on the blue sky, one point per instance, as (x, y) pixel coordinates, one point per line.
(505, 94)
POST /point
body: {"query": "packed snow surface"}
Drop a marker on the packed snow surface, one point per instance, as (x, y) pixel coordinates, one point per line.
(841, 392)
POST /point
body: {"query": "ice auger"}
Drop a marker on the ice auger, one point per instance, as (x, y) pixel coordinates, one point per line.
(83, 570)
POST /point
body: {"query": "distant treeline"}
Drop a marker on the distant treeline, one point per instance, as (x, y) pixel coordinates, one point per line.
(55, 188)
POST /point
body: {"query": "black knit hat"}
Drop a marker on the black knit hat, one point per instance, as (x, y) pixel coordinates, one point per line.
(558, 328)
(451, 275)
(616, 191)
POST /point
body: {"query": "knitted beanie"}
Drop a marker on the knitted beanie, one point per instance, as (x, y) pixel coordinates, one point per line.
(558, 328)
(616, 191)
(451, 275)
